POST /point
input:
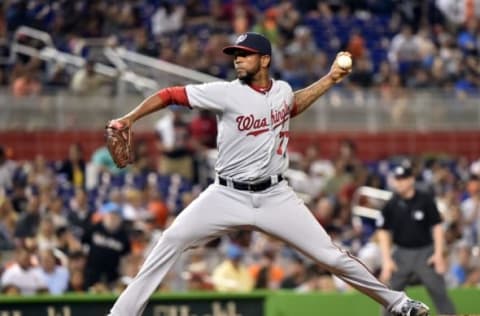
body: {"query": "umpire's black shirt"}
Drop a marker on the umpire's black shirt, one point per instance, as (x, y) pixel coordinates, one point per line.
(410, 220)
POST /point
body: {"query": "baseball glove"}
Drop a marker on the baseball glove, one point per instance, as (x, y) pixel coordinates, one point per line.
(119, 144)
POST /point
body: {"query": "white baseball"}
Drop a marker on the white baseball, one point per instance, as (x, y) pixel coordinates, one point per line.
(344, 61)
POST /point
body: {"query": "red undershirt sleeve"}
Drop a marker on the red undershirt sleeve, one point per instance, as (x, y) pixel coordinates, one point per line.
(293, 111)
(174, 95)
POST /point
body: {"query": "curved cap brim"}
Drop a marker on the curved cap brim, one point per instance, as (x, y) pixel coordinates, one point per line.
(230, 50)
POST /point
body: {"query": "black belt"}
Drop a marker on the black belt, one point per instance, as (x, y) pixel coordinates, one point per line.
(251, 186)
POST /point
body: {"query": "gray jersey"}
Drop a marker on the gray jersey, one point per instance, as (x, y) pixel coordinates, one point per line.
(252, 126)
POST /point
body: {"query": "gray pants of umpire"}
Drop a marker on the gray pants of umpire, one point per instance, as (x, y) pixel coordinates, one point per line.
(413, 263)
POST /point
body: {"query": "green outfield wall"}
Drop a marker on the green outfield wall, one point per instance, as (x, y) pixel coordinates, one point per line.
(467, 302)
(281, 303)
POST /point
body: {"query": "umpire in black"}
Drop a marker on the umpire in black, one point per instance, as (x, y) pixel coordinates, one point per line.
(411, 226)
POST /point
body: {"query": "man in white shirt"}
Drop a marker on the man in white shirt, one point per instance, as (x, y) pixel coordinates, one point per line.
(22, 275)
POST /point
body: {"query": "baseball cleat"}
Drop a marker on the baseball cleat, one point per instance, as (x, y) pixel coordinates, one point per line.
(412, 308)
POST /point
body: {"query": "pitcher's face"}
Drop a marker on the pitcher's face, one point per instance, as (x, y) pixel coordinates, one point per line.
(246, 64)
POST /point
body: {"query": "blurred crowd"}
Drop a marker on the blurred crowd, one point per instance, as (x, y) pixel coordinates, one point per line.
(395, 44)
(82, 225)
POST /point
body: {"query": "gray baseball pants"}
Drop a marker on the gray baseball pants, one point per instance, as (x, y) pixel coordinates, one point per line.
(276, 211)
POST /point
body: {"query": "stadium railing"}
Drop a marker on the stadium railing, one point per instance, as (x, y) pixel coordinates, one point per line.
(337, 111)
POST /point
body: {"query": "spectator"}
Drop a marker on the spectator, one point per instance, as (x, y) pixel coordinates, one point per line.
(102, 162)
(41, 174)
(404, 51)
(26, 85)
(340, 178)
(203, 130)
(76, 283)
(57, 211)
(167, 19)
(320, 171)
(7, 169)
(86, 80)
(143, 45)
(363, 74)
(468, 38)
(347, 152)
(460, 266)
(188, 53)
(288, 18)
(46, 238)
(108, 242)
(356, 45)
(135, 208)
(159, 211)
(323, 211)
(302, 47)
(266, 273)
(394, 94)
(80, 214)
(267, 25)
(77, 261)
(23, 275)
(295, 274)
(382, 76)
(292, 73)
(54, 276)
(238, 7)
(174, 136)
(240, 26)
(74, 166)
(471, 211)
(232, 274)
(66, 244)
(21, 193)
(196, 12)
(29, 220)
(8, 220)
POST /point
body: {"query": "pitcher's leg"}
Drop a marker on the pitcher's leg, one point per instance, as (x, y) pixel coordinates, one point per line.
(212, 213)
(289, 219)
(400, 278)
(134, 298)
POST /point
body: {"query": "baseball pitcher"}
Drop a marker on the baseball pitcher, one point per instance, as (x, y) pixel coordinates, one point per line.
(253, 114)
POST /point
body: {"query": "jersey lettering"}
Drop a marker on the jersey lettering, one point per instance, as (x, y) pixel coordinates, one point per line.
(260, 125)
(280, 116)
(247, 122)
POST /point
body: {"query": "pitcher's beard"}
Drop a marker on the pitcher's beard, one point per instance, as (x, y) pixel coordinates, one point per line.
(246, 78)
